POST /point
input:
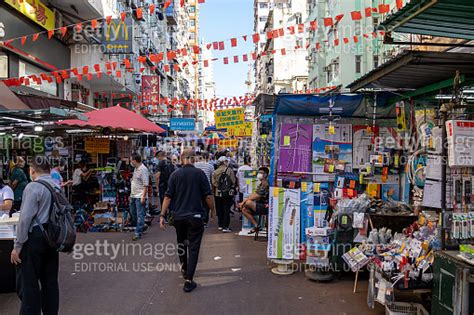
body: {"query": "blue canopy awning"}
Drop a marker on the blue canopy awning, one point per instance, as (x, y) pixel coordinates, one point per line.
(344, 105)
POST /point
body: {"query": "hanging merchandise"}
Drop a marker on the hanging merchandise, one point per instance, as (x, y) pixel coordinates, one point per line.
(332, 151)
(295, 148)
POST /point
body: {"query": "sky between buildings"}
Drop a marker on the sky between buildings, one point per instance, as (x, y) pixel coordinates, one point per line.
(221, 20)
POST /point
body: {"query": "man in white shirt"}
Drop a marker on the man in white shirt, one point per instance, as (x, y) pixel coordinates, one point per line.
(139, 193)
(241, 179)
(79, 181)
(6, 198)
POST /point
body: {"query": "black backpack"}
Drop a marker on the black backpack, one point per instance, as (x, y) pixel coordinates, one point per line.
(168, 169)
(225, 187)
(60, 232)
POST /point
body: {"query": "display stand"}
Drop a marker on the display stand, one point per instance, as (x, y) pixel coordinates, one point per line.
(8, 273)
(283, 267)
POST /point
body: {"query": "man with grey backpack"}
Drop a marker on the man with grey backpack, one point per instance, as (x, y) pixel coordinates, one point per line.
(45, 228)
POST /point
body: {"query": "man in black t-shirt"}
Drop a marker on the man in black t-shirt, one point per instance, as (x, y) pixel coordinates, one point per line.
(188, 187)
(163, 174)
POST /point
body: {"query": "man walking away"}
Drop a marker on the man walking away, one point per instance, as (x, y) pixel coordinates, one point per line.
(223, 182)
(139, 193)
(37, 262)
(162, 176)
(188, 187)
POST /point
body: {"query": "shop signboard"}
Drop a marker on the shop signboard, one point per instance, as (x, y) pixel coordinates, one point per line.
(229, 118)
(244, 130)
(184, 124)
(36, 11)
(295, 148)
(284, 223)
(228, 143)
(97, 145)
(118, 37)
(151, 89)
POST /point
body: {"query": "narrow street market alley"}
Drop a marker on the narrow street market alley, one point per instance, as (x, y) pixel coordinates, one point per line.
(233, 277)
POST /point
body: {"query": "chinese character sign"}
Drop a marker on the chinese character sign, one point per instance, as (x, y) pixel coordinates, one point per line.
(36, 11)
(150, 89)
(228, 143)
(229, 118)
(244, 130)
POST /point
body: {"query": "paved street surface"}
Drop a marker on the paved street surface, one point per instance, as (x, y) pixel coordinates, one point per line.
(233, 275)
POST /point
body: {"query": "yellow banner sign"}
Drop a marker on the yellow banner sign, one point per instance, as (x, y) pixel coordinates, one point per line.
(97, 145)
(229, 118)
(244, 130)
(228, 143)
(36, 11)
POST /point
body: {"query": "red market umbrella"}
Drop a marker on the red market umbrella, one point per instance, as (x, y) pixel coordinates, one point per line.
(115, 118)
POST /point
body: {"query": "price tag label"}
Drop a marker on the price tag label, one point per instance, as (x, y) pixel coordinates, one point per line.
(275, 192)
(248, 182)
(304, 186)
(331, 168)
(332, 130)
(317, 187)
(352, 184)
(286, 140)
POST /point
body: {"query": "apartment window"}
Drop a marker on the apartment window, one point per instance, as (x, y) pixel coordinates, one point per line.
(263, 18)
(376, 21)
(27, 69)
(358, 29)
(299, 42)
(192, 23)
(376, 61)
(3, 66)
(358, 64)
(263, 5)
(192, 9)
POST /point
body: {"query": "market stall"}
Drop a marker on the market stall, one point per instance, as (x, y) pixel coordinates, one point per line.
(436, 252)
(103, 206)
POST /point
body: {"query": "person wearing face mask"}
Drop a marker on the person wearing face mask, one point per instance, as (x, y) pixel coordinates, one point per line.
(257, 203)
(18, 182)
(36, 262)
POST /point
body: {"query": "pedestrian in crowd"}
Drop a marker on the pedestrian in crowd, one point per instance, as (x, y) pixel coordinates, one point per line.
(6, 198)
(37, 263)
(164, 170)
(223, 182)
(204, 165)
(257, 203)
(242, 184)
(18, 182)
(175, 161)
(79, 180)
(212, 161)
(187, 189)
(232, 160)
(57, 177)
(139, 194)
